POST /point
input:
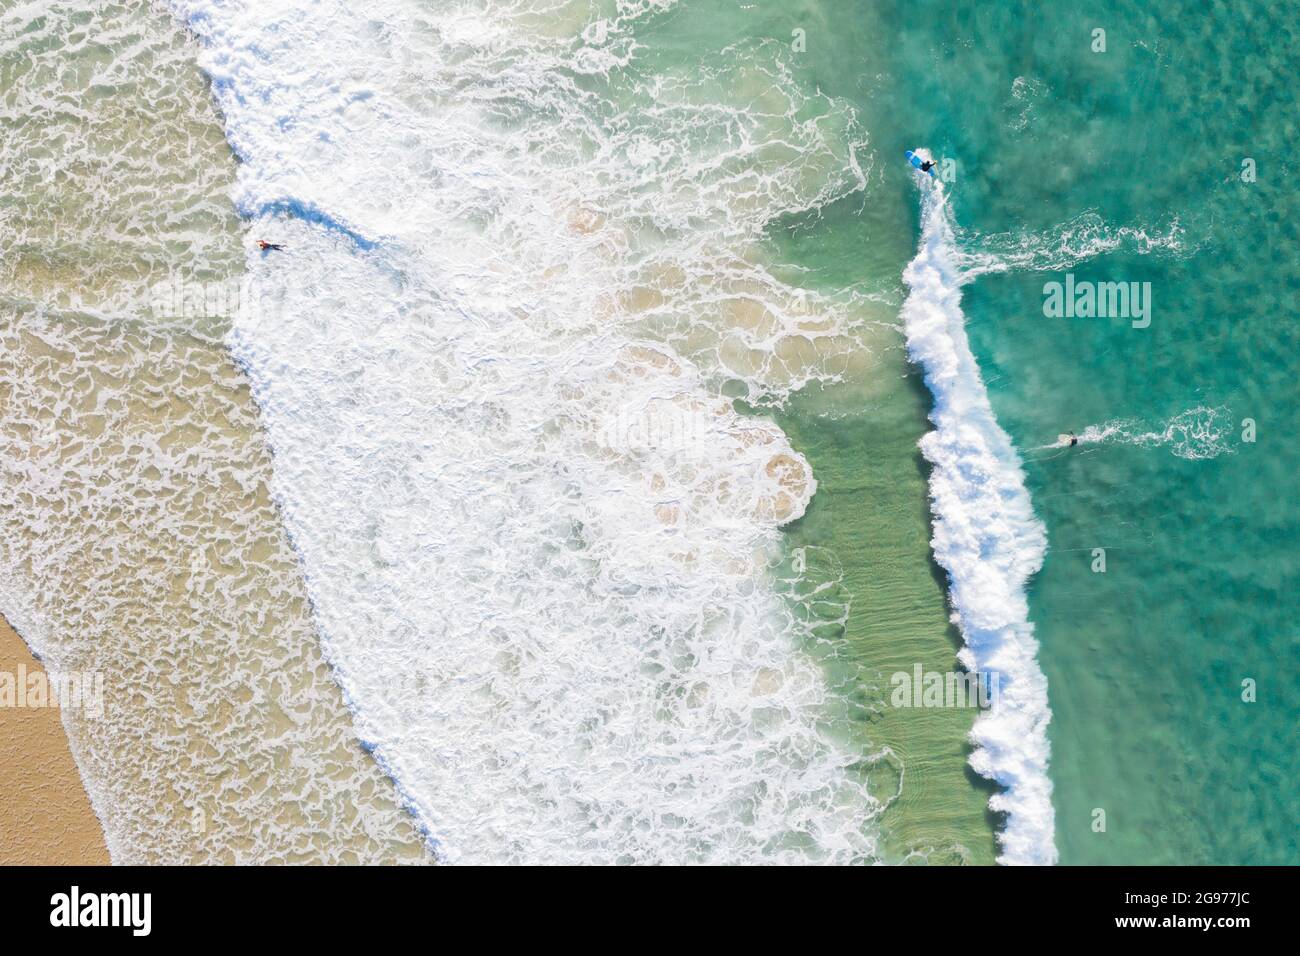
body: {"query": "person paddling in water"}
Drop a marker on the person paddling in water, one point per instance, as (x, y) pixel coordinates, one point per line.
(269, 246)
(1074, 439)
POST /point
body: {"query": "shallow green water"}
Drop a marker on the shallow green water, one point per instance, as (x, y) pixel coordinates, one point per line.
(870, 515)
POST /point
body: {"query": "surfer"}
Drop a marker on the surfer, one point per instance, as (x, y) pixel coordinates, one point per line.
(269, 246)
(927, 165)
(1074, 439)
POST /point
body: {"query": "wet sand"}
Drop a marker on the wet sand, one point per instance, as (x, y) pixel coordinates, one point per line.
(45, 816)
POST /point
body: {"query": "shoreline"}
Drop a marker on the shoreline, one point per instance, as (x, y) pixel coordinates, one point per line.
(45, 814)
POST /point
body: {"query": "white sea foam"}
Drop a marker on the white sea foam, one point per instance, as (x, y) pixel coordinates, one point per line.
(539, 550)
(986, 537)
(1026, 93)
(1200, 432)
(1084, 237)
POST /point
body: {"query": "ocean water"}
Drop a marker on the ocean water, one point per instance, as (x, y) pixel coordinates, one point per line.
(1126, 165)
(623, 412)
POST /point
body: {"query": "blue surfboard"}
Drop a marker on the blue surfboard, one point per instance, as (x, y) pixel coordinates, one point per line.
(916, 161)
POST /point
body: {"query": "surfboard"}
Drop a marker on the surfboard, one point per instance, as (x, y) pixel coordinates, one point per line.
(916, 161)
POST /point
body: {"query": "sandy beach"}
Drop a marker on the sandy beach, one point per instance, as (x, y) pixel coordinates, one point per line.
(45, 816)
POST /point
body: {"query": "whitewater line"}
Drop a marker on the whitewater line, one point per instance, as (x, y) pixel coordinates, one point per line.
(988, 540)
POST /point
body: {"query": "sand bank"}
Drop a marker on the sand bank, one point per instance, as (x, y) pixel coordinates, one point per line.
(45, 816)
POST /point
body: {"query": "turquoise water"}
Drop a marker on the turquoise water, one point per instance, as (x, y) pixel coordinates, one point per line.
(1124, 165)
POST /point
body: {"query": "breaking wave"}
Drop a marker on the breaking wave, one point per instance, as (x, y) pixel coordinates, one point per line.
(986, 537)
